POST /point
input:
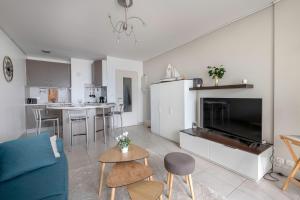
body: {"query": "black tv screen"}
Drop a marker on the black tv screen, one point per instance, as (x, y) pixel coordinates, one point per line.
(239, 117)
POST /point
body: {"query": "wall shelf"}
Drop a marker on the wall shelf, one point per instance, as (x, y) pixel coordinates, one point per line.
(236, 86)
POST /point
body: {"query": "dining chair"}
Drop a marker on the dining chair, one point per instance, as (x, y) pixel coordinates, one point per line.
(40, 118)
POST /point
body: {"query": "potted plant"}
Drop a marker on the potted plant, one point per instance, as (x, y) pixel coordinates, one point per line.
(216, 73)
(123, 142)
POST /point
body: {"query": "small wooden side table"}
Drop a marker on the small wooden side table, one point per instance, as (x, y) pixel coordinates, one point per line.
(126, 173)
(289, 140)
(146, 190)
(114, 155)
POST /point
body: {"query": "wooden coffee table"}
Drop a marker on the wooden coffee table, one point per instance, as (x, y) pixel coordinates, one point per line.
(126, 173)
(146, 190)
(114, 155)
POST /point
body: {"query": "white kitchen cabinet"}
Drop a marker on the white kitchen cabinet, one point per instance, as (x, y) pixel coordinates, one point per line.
(173, 108)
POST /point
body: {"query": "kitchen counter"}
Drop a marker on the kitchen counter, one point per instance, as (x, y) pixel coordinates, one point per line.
(91, 110)
(83, 106)
(47, 104)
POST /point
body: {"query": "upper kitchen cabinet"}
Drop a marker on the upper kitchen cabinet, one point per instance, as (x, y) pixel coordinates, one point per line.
(97, 73)
(48, 74)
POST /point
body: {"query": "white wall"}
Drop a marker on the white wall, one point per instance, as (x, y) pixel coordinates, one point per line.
(244, 47)
(81, 74)
(287, 71)
(114, 64)
(12, 101)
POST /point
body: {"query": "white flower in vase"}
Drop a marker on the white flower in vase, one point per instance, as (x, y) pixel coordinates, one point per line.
(123, 142)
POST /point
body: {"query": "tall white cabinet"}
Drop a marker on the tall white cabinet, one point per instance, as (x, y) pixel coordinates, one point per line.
(173, 108)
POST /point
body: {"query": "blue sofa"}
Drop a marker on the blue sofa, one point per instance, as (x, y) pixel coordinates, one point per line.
(48, 182)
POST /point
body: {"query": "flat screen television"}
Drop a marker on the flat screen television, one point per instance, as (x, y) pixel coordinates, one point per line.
(238, 117)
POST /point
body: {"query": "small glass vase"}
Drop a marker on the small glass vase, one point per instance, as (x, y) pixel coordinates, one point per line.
(124, 149)
(216, 81)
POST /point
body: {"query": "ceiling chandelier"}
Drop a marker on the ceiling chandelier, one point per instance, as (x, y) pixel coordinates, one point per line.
(126, 26)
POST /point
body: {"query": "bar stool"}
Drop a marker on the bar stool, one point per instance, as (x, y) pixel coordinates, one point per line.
(119, 112)
(78, 115)
(39, 118)
(103, 115)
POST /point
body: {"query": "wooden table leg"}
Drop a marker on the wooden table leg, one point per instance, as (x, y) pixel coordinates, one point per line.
(191, 186)
(146, 161)
(101, 177)
(113, 191)
(292, 175)
(171, 185)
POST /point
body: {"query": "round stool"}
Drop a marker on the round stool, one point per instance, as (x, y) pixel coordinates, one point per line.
(180, 164)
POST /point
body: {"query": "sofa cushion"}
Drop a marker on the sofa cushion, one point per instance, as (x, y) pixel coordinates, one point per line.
(24, 155)
(49, 182)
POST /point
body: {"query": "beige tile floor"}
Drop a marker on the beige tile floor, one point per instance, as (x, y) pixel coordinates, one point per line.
(208, 178)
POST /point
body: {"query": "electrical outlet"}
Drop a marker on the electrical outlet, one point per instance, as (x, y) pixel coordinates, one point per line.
(290, 163)
(279, 161)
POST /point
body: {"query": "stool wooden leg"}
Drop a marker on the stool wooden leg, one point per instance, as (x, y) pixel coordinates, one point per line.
(291, 176)
(101, 178)
(171, 185)
(113, 191)
(168, 180)
(190, 183)
(185, 179)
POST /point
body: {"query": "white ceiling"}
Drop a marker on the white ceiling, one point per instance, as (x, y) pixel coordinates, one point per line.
(80, 28)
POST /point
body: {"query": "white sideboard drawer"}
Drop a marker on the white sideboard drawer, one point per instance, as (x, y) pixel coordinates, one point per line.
(240, 161)
(195, 144)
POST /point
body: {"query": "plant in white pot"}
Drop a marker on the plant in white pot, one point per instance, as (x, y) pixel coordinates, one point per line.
(216, 73)
(123, 142)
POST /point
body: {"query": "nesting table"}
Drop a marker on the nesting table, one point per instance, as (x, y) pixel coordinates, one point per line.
(146, 190)
(126, 170)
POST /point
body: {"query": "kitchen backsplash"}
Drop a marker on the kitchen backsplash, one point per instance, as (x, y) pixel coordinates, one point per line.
(63, 95)
(92, 94)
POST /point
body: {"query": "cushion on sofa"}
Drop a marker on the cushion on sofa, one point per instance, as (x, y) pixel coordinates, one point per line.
(24, 155)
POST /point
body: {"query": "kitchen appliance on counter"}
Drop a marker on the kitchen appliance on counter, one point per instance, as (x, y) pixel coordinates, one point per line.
(102, 99)
(31, 101)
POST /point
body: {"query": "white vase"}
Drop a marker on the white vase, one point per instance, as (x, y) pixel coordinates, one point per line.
(216, 81)
(124, 149)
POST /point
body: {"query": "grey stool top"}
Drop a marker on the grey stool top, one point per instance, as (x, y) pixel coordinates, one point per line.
(179, 163)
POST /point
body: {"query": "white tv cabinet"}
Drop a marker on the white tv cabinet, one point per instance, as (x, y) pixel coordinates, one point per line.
(250, 162)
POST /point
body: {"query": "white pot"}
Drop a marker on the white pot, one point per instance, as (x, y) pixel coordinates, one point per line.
(124, 150)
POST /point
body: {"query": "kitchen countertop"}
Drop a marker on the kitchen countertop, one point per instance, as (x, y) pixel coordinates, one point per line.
(47, 104)
(78, 106)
